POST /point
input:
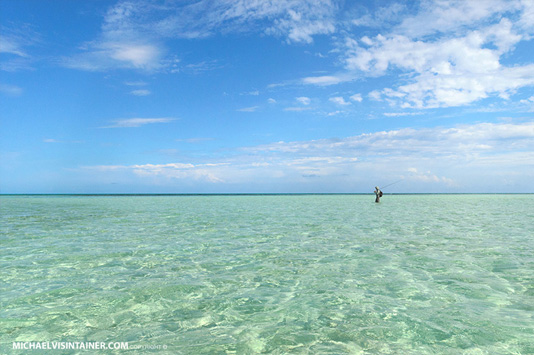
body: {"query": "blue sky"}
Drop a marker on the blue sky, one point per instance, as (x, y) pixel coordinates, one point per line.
(266, 96)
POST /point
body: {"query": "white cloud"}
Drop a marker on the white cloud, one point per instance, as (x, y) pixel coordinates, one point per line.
(460, 89)
(356, 97)
(466, 54)
(304, 100)
(529, 103)
(339, 101)
(138, 122)
(334, 113)
(136, 54)
(448, 70)
(271, 101)
(375, 95)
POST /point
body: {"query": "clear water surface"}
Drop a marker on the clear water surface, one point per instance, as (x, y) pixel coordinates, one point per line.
(278, 274)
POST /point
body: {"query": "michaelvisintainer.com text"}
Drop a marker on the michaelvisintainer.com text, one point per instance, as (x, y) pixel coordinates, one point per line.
(69, 345)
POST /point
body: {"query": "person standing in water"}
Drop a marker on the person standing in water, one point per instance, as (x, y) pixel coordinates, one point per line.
(378, 194)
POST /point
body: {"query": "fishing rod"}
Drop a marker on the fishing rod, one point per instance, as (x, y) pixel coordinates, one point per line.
(393, 183)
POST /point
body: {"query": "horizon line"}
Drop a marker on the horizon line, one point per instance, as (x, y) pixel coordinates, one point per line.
(258, 193)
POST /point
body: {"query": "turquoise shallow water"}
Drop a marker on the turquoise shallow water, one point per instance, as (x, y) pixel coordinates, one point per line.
(297, 274)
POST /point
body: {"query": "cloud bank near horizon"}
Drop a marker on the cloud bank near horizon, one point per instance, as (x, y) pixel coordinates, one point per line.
(451, 158)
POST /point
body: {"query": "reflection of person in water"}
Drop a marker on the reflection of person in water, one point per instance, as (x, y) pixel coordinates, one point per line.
(378, 194)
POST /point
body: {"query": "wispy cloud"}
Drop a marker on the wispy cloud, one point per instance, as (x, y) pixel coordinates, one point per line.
(304, 20)
(326, 80)
(133, 34)
(429, 177)
(140, 92)
(383, 16)
(297, 21)
(201, 172)
(120, 54)
(196, 140)
(136, 83)
(138, 122)
(12, 46)
(53, 140)
(297, 109)
(16, 43)
(122, 44)
(436, 142)
(251, 93)
(450, 16)
(16, 39)
(248, 109)
(11, 90)
(401, 114)
(201, 67)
